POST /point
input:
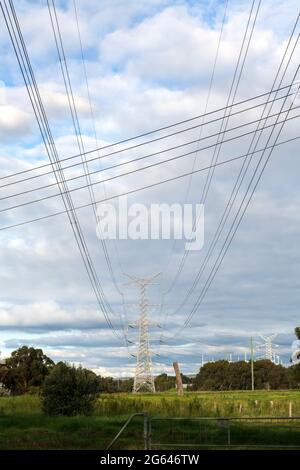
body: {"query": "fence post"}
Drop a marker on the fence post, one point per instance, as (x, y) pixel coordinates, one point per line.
(146, 431)
(228, 432)
(290, 409)
(149, 434)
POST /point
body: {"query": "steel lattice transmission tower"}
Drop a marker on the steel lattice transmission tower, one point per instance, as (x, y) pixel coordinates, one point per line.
(143, 378)
(269, 354)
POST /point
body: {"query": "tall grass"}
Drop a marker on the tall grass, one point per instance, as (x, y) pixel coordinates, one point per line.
(20, 404)
(201, 404)
(24, 426)
(260, 403)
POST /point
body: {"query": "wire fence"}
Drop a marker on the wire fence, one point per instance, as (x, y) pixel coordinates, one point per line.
(199, 433)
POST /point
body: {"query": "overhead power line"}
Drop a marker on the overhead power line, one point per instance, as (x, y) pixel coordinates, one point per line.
(244, 168)
(238, 217)
(187, 193)
(93, 121)
(125, 149)
(149, 186)
(239, 67)
(22, 56)
(134, 160)
(75, 119)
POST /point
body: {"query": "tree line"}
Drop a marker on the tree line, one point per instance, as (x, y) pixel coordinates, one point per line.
(224, 375)
(26, 370)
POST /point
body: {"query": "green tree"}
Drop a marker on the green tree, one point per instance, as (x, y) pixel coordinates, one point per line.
(270, 376)
(294, 376)
(213, 376)
(297, 332)
(125, 385)
(111, 385)
(69, 390)
(222, 375)
(27, 367)
(164, 382)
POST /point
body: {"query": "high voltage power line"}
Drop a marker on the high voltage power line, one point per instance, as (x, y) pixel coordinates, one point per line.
(75, 119)
(242, 172)
(220, 138)
(21, 53)
(239, 182)
(137, 159)
(212, 77)
(239, 67)
(234, 226)
(133, 147)
(92, 115)
(168, 180)
(65, 192)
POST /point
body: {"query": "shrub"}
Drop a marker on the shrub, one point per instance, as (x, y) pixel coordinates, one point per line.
(69, 391)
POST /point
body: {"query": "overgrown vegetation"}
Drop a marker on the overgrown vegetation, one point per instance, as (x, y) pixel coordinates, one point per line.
(23, 425)
(69, 391)
(258, 403)
(195, 404)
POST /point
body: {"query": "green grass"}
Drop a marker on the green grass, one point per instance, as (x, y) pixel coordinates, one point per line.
(205, 433)
(226, 404)
(24, 426)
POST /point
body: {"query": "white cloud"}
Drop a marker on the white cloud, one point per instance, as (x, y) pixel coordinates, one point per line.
(48, 315)
(148, 66)
(13, 121)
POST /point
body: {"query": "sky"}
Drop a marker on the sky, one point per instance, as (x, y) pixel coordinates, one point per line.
(149, 64)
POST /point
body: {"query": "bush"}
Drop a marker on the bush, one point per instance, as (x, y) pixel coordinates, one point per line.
(69, 391)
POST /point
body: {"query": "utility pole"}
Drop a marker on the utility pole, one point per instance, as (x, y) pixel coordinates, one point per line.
(143, 378)
(252, 364)
(178, 379)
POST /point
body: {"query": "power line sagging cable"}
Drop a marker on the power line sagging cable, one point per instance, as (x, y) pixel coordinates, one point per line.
(22, 56)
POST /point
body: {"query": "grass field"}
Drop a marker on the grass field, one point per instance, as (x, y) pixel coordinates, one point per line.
(24, 426)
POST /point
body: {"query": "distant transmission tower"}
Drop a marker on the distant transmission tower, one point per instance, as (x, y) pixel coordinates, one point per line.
(143, 378)
(269, 354)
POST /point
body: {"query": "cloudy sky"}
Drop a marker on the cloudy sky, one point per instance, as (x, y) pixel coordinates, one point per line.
(149, 64)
